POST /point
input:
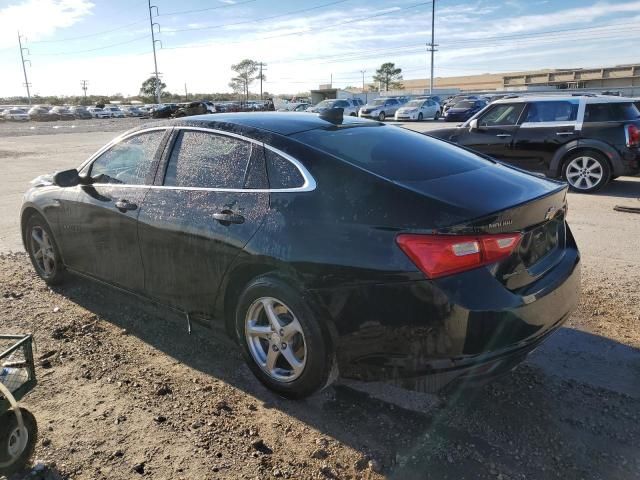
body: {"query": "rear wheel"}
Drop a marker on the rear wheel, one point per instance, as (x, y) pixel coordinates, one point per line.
(437, 115)
(43, 250)
(586, 171)
(281, 338)
(381, 116)
(16, 444)
(420, 117)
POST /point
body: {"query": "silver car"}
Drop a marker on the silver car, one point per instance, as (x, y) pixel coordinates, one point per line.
(380, 108)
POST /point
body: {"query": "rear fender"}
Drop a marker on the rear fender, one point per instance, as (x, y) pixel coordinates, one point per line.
(555, 167)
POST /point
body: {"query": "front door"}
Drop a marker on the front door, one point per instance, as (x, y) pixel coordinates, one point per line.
(210, 202)
(104, 243)
(496, 130)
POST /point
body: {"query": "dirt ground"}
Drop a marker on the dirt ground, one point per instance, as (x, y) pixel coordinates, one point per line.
(124, 392)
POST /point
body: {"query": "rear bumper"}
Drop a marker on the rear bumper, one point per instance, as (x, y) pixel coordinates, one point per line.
(429, 333)
(629, 162)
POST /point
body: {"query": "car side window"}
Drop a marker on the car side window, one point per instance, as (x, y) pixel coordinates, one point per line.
(556, 111)
(128, 162)
(207, 160)
(502, 115)
(610, 112)
(342, 104)
(282, 173)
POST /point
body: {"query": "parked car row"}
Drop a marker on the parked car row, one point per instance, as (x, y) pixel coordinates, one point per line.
(381, 108)
(44, 113)
(585, 140)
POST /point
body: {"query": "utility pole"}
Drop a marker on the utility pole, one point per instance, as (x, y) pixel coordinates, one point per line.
(24, 69)
(363, 90)
(153, 42)
(431, 47)
(83, 85)
(262, 65)
(331, 81)
(186, 95)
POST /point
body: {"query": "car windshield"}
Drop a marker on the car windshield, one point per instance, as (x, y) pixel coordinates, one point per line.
(465, 104)
(415, 103)
(378, 101)
(375, 149)
(326, 104)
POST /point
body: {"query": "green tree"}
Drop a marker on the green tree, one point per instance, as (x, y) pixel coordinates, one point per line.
(148, 88)
(389, 76)
(246, 74)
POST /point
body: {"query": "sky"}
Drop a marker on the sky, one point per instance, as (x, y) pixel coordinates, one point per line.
(304, 43)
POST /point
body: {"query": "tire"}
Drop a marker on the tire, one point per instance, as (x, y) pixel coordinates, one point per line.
(352, 114)
(382, 116)
(586, 171)
(420, 117)
(305, 343)
(14, 456)
(437, 115)
(37, 236)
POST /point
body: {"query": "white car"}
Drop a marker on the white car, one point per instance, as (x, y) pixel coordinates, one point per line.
(97, 112)
(16, 115)
(419, 110)
(114, 112)
(350, 107)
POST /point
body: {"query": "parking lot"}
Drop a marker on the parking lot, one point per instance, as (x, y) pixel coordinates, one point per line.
(571, 411)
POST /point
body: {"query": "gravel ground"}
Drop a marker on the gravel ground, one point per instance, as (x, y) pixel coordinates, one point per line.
(125, 392)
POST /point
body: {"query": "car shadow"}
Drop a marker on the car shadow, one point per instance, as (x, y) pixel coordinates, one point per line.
(623, 187)
(560, 414)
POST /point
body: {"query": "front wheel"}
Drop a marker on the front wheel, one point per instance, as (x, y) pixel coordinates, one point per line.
(43, 250)
(16, 444)
(437, 115)
(381, 116)
(586, 172)
(282, 339)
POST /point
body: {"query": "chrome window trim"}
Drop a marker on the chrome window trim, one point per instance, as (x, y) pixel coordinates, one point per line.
(308, 186)
(548, 124)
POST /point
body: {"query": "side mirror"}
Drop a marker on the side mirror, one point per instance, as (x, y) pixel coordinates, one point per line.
(70, 178)
(473, 125)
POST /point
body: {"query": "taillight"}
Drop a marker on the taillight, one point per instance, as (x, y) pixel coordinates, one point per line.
(441, 255)
(633, 136)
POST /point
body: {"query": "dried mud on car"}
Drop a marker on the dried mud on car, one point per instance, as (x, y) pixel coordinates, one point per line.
(125, 392)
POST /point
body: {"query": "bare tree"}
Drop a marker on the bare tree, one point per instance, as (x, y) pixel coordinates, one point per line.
(246, 72)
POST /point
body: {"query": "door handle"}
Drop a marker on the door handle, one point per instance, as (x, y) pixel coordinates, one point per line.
(503, 135)
(124, 205)
(227, 217)
(564, 133)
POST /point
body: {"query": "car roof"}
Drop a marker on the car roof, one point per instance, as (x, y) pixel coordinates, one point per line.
(282, 123)
(554, 97)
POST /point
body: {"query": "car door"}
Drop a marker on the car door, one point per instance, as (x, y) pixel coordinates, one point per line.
(209, 200)
(546, 126)
(102, 239)
(495, 131)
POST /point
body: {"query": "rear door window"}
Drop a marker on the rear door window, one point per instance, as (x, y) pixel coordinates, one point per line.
(207, 160)
(553, 111)
(375, 149)
(610, 112)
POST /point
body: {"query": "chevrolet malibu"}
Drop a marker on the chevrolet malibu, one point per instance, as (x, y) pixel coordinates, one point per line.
(322, 244)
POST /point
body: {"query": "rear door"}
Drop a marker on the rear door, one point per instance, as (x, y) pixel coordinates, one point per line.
(496, 130)
(547, 125)
(102, 238)
(210, 198)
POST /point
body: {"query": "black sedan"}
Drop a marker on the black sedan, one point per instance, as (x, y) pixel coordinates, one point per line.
(318, 246)
(464, 110)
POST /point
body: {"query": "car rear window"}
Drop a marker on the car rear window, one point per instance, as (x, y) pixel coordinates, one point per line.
(393, 152)
(611, 112)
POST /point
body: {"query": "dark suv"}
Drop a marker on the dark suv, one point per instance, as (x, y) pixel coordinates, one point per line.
(585, 140)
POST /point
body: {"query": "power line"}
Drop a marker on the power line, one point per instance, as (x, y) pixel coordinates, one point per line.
(104, 47)
(184, 12)
(70, 39)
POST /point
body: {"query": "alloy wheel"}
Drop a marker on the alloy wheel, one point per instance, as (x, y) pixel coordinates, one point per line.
(584, 173)
(43, 251)
(381, 117)
(275, 339)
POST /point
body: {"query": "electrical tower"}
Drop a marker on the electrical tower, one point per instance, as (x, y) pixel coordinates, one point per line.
(261, 65)
(431, 47)
(84, 86)
(153, 42)
(24, 68)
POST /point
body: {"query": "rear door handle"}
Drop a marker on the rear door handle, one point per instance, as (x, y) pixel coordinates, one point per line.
(124, 205)
(227, 217)
(503, 135)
